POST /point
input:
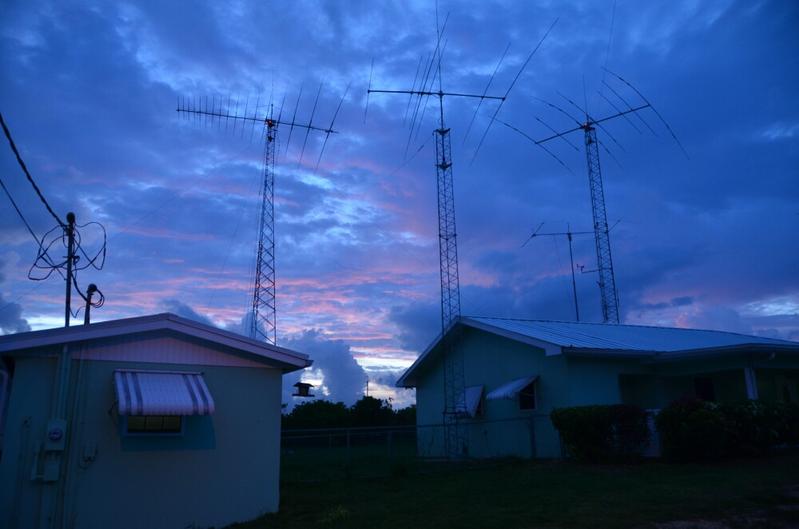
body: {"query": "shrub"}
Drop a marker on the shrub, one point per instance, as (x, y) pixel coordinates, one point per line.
(752, 427)
(692, 429)
(788, 424)
(616, 432)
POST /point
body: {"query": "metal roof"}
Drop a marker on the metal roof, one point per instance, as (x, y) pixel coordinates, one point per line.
(630, 338)
(286, 359)
(602, 339)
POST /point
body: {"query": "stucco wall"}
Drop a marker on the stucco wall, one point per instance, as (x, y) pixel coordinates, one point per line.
(224, 468)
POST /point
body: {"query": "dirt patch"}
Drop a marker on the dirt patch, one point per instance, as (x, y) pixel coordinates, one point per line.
(781, 516)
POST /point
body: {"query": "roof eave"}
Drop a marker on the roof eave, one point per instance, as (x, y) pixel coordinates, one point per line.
(285, 359)
(408, 380)
(695, 354)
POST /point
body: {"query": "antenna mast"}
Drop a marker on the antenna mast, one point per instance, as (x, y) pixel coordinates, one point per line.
(569, 236)
(263, 319)
(263, 295)
(456, 445)
(607, 278)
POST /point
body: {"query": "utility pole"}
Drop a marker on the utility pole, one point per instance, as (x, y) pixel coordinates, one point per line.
(70, 229)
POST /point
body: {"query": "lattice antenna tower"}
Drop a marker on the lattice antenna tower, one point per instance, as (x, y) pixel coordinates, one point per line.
(262, 324)
(429, 74)
(609, 296)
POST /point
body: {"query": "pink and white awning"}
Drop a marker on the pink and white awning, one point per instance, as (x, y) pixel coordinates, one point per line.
(162, 393)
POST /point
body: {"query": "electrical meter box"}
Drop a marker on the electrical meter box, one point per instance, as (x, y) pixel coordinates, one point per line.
(56, 436)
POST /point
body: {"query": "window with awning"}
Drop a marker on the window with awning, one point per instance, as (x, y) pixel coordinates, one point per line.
(162, 393)
(522, 388)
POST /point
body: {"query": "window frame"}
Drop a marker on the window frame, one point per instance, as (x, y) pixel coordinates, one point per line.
(153, 433)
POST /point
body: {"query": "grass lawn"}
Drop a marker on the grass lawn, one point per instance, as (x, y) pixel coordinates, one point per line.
(512, 493)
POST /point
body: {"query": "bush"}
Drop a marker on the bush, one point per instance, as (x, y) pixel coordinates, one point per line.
(752, 427)
(617, 432)
(692, 429)
(788, 425)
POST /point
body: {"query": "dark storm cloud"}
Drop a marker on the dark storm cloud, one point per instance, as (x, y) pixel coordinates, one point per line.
(90, 91)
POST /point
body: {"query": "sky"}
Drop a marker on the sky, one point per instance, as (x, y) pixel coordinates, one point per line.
(703, 240)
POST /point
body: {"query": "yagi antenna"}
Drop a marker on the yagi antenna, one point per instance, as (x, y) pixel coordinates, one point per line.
(507, 93)
(569, 235)
(332, 123)
(485, 91)
(419, 95)
(262, 323)
(607, 280)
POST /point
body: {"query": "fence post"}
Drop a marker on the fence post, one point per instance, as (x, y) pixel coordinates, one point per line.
(348, 446)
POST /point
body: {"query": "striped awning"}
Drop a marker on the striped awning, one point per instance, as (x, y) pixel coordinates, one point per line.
(162, 393)
(510, 389)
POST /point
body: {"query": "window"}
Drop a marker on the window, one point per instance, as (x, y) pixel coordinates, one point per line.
(527, 397)
(703, 387)
(154, 424)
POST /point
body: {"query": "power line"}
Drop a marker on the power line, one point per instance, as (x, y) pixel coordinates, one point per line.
(21, 216)
(21, 163)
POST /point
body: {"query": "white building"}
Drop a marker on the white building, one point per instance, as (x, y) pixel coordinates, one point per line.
(156, 421)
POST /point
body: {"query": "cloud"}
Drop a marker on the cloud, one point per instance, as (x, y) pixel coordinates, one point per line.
(11, 320)
(343, 379)
(183, 310)
(94, 89)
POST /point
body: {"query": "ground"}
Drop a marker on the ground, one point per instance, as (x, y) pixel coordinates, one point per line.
(378, 492)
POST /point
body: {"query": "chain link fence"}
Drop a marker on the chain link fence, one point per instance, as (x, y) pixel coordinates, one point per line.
(319, 454)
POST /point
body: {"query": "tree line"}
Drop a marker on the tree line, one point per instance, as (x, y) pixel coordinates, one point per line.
(366, 412)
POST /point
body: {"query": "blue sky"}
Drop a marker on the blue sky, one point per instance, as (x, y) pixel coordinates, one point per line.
(90, 88)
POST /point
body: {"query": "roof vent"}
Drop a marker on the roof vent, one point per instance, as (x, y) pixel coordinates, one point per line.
(303, 389)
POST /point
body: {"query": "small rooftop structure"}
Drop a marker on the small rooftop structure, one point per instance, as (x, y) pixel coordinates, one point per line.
(303, 389)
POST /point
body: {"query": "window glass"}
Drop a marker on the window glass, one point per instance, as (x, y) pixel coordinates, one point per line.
(136, 423)
(172, 423)
(154, 424)
(527, 397)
